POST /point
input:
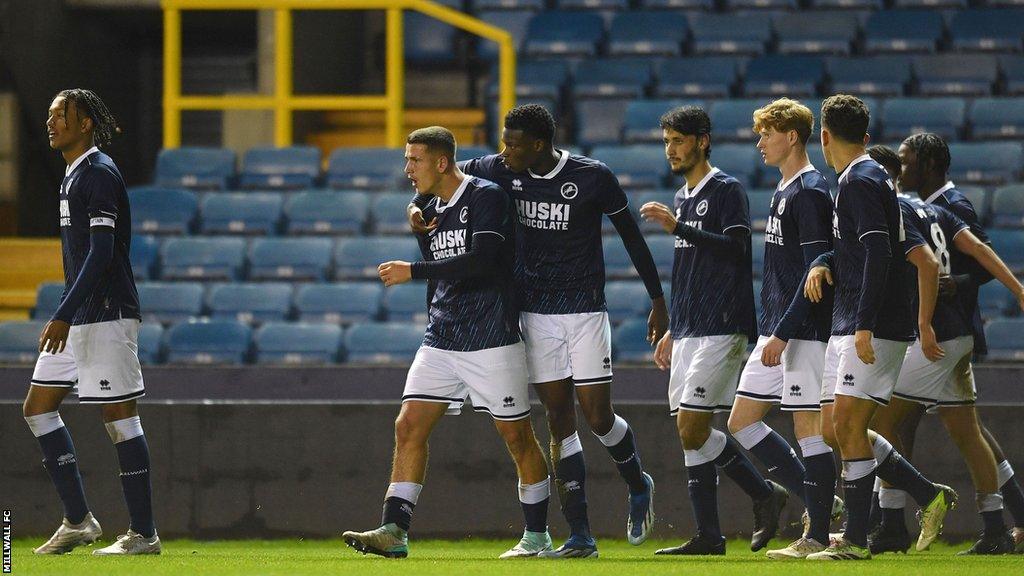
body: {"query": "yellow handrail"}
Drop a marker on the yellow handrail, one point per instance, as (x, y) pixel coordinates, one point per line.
(283, 102)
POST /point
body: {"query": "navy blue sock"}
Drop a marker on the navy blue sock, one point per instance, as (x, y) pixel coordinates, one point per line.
(536, 515)
(1013, 500)
(875, 516)
(703, 488)
(894, 519)
(899, 472)
(737, 466)
(993, 521)
(397, 511)
(133, 456)
(570, 477)
(819, 489)
(627, 460)
(781, 460)
(61, 462)
(858, 506)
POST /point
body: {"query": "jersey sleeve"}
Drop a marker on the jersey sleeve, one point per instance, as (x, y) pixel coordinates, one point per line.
(610, 196)
(101, 188)
(950, 223)
(915, 228)
(814, 216)
(733, 206)
(866, 207)
(489, 211)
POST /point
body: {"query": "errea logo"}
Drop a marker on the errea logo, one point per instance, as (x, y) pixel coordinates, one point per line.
(700, 392)
(509, 401)
(517, 185)
(848, 380)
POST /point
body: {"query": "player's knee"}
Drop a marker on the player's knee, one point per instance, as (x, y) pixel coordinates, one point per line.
(520, 441)
(693, 434)
(407, 430)
(561, 418)
(738, 422)
(600, 419)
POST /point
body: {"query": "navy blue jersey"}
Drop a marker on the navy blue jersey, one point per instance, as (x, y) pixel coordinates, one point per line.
(801, 213)
(866, 204)
(559, 258)
(935, 227)
(93, 194)
(711, 294)
(474, 313)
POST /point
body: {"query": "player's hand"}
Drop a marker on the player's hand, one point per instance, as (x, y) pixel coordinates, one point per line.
(658, 212)
(395, 272)
(947, 287)
(416, 221)
(771, 354)
(54, 336)
(814, 288)
(663, 352)
(865, 350)
(929, 344)
(657, 321)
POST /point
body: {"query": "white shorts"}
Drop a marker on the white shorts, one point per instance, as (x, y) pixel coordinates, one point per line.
(493, 379)
(796, 383)
(100, 363)
(946, 382)
(845, 374)
(559, 346)
(704, 372)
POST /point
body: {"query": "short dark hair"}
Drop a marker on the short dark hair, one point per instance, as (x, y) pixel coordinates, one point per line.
(532, 119)
(930, 148)
(688, 120)
(437, 139)
(887, 157)
(846, 117)
(88, 104)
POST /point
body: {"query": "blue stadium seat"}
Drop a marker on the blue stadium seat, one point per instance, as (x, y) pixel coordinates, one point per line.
(998, 3)
(987, 30)
(637, 199)
(902, 31)
(1013, 73)
(214, 342)
(637, 166)
(614, 78)
(280, 168)
(678, 4)
(1008, 207)
(289, 259)
(520, 5)
(537, 79)
(846, 4)
(47, 300)
(251, 303)
(730, 33)
(514, 22)
(469, 152)
(979, 198)
(157, 210)
(428, 41)
(929, 4)
(1009, 244)
(629, 342)
(758, 286)
(291, 343)
(607, 5)
(776, 75)
(997, 118)
(143, 256)
(201, 168)
(642, 122)
(365, 168)
(170, 302)
(994, 300)
(902, 117)
(811, 32)
(564, 34)
(405, 303)
(817, 159)
(1005, 338)
(339, 302)
(151, 349)
(356, 258)
(389, 213)
(19, 341)
(737, 5)
(626, 299)
(760, 208)
(600, 121)
(955, 74)
(757, 253)
(241, 213)
(327, 212)
(698, 77)
(741, 161)
(647, 34)
(985, 162)
(663, 248)
(733, 120)
(870, 76)
(383, 342)
(203, 259)
(617, 264)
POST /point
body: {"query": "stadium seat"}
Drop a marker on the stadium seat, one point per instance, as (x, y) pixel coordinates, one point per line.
(251, 303)
(979, 198)
(327, 212)
(405, 303)
(760, 208)
(637, 199)
(517, 5)
(292, 343)
(994, 300)
(812, 32)
(563, 34)
(612, 78)
(1009, 244)
(151, 349)
(738, 5)
(257, 213)
(741, 161)
(997, 118)
(170, 302)
(697, 77)
(199, 168)
(203, 259)
(985, 162)
(213, 342)
(733, 120)
(604, 5)
(280, 168)
(678, 4)
(383, 342)
(600, 121)
(289, 259)
(19, 341)
(365, 168)
(389, 213)
(998, 3)
(143, 256)
(817, 159)
(429, 41)
(757, 254)
(157, 210)
(636, 166)
(617, 264)
(357, 258)
(1008, 207)
(339, 302)
(626, 299)
(730, 33)
(629, 342)
(1005, 338)
(870, 76)
(514, 22)
(776, 75)
(537, 79)
(929, 4)
(647, 34)
(902, 117)
(846, 4)
(1013, 73)
(663, 249)
(955, 74)
(902, 31)
(643, 119)
(986, 30)
(48, 297)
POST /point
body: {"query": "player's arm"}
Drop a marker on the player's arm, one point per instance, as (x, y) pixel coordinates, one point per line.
(967, 243)
(922, 257)
(974, 276)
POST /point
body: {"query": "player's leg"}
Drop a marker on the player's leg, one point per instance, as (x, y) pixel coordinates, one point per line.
(1013, 496)
(534, 486)
(890, 533)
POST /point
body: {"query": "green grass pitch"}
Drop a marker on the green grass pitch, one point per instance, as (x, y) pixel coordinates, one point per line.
(469, 557)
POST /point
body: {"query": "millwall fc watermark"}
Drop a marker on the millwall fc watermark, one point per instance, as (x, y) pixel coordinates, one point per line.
(7, 542)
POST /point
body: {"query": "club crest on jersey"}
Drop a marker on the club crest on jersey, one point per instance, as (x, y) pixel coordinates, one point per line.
(569, 190)
(517, 185)
(464, 214)
(702, 208)
(782, 206)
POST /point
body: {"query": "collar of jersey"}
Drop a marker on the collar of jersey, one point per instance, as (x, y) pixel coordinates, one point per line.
(787, 183)
(71, 167)
(935, 195)
(563, 158)
(687, 193)
(455, 197)
(862, 158)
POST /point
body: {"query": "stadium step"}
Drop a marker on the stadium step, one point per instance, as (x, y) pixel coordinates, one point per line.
(361, 128)
(25, 264)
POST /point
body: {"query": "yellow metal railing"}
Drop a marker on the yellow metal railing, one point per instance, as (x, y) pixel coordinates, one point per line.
(283, 102)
